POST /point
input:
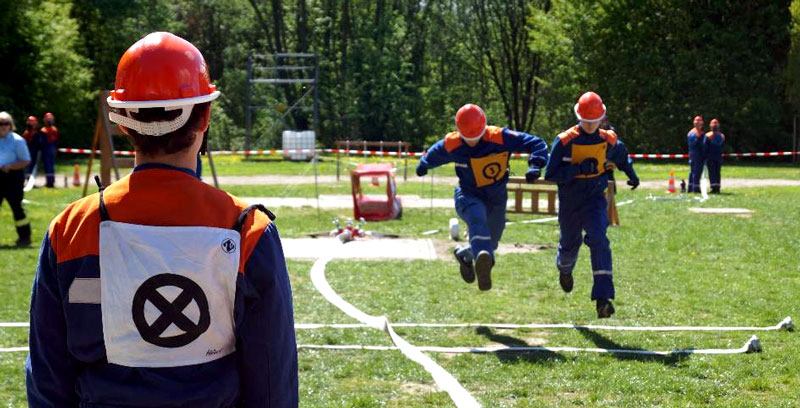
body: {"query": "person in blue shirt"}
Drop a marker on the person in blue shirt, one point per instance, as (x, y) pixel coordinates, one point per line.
(695, 139)
(14, 158)
(712, 149)
(481, 155)
(577, 165)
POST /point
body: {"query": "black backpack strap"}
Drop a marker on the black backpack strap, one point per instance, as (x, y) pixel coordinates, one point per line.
(103, 210)
(243, 216)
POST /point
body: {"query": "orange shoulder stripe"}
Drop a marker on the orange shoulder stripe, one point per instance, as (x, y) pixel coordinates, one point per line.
(569, 134)
(156, 197)
(493, 134)
(452, 141)
(609, 136)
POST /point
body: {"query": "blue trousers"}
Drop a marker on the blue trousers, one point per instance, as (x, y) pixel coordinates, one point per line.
(48, 157)
(577, 214)
(695, 172)
(485, 218)
(714, 172)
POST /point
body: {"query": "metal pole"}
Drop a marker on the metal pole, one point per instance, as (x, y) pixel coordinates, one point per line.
(211, 164)
(431, 212)
(794, 139)
(248, 110)
(316, 183)
(316, 95)
(337, 160)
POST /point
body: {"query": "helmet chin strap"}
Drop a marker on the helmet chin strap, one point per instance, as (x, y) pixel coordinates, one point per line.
(152, 128)
(473, 139)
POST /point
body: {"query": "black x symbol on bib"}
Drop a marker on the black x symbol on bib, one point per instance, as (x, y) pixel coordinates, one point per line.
(171, 312)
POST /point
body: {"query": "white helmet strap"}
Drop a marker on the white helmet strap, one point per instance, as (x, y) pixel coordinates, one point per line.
(473, 139)
(153, 128)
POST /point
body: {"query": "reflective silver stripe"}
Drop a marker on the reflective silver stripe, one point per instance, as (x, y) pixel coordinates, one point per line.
(566, 159)
(483, 237)
(602, 273)
(462, 165)
(85, 291)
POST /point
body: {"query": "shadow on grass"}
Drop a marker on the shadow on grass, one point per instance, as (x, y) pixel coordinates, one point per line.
(604, 342)
(513, 357)
(13, 247)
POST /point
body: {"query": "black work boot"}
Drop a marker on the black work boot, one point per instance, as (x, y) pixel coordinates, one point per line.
(604, 308)
(467, 270)
(483, 268)
(565, 279)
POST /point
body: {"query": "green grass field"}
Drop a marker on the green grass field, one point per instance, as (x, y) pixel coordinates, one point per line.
(672, 267)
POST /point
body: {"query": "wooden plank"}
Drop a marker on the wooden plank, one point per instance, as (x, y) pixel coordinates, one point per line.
(551, 202)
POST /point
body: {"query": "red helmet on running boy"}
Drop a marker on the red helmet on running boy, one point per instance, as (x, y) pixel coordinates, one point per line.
(471, 122)
(32, 120)
(590, 108)
(161, 70)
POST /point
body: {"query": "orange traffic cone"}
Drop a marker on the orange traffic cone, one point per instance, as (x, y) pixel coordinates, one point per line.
(671, 186)
(76, 177)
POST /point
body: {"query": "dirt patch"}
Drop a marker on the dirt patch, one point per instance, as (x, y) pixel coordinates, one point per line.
(444, 249)
(417, 388)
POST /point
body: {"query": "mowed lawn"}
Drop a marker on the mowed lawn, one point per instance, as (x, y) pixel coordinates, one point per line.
(672, 267)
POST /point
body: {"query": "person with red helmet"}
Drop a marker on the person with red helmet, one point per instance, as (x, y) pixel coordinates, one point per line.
(49, 151)
(712, 151)
(481, 155)
(695, 138)
(578, 166)
(36, 141)
(160, 290)
(14, 158)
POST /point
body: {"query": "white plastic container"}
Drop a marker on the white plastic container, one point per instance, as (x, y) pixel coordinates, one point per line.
(298, 140)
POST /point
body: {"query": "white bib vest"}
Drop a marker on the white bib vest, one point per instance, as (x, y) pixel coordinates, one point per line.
(167, 293)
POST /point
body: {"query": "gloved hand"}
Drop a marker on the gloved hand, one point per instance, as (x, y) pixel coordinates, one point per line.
(588, 166)
(421, 170)
(532, 174)
(634, 182)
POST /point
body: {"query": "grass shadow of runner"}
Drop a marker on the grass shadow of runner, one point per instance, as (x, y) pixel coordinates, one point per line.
(513, 357)
(604, 342)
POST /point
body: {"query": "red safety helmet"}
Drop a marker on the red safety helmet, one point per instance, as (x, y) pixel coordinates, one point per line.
(32, 119)
(714, 122)
(161, 70)
(471, 122)
(49, 115)
(590, 108)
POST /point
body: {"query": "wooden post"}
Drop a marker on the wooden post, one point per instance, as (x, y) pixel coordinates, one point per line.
(97, 130)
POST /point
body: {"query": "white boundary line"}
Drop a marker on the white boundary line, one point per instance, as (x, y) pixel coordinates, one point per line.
(785, 324)
(753, 345)
(460, 396)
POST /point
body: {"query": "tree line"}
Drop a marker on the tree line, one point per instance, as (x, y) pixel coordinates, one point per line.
(398, 70)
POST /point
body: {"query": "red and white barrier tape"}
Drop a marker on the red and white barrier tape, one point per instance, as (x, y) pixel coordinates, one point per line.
(270, 152)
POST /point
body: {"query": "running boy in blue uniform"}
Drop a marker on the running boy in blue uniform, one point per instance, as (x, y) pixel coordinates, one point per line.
(481, 155)
(577, 165)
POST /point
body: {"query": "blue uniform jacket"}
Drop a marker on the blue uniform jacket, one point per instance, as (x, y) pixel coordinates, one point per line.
(712, 145)
(695, 141)
(573, 146)
(67, 366)
(482, 170)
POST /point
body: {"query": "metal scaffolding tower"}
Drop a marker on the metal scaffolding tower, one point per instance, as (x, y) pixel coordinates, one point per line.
(282, 70)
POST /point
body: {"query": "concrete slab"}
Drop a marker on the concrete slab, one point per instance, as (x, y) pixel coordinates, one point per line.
(312, 248)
